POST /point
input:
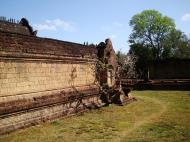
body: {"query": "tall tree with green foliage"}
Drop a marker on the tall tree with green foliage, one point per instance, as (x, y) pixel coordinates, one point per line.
(176, 45)
(150, 29)
(144, 55)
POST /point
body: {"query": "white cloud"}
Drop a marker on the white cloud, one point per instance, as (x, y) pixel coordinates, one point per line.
(113, 36)
(42, 27)
(186, 17)
(55, 24)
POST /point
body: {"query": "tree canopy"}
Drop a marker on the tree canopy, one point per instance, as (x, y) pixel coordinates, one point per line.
(151, 28)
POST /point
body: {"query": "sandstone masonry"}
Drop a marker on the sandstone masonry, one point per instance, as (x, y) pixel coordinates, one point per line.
(42, 79)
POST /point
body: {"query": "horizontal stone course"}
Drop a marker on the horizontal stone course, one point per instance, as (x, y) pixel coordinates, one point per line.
(17, 103)
(48, 113)
(10, 42)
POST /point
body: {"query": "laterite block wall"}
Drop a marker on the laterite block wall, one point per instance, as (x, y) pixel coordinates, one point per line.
(170, 69)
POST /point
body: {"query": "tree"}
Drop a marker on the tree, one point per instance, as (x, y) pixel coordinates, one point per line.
(178, 44)
(150, 29)
(127, 64)
(121, 59)
(122, 62)
(144, 55)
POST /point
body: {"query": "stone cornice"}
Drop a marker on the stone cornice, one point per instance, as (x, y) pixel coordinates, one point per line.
(15, 56)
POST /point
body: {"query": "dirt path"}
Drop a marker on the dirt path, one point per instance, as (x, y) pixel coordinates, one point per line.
(148, 119)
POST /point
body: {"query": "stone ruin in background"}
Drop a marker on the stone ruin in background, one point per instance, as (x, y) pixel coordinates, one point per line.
(42, 79)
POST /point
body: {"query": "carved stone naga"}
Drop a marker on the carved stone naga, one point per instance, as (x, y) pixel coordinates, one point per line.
(24, 22)
(108, 73)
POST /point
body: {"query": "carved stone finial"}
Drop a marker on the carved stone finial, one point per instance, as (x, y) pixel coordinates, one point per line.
(24, 22)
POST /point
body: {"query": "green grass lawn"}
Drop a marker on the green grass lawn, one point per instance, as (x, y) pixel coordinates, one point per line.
(155, 116)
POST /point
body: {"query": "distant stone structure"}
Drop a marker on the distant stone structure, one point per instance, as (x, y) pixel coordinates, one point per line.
(169, 69)
(42, 79)
(168, 74)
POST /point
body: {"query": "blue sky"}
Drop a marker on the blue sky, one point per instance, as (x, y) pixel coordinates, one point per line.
(92, 21)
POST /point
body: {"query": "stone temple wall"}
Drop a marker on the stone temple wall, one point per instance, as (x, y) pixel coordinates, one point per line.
(170, 69)
(42, 79)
